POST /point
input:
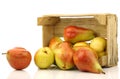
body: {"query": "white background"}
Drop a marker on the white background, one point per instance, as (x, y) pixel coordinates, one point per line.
(18, 24)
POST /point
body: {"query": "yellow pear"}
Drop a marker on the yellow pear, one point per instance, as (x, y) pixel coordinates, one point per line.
(100, 54)
(80, 44)
(98, 44)
(44, 58)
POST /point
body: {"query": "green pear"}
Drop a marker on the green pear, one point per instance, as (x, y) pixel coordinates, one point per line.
(75, 34)
(44, 57)
(64, 56)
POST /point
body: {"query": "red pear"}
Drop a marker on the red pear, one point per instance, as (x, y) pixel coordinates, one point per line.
(64, 56)
(18, 57)
(75, 34)
(85, 60)
(54, 42)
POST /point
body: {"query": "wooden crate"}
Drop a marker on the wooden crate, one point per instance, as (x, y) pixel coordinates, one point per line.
(104, 25)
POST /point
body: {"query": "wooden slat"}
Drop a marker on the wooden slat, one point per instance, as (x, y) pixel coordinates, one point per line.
(100, 17)
(109, 44)
(112, 41)
(47, 21)
(77, 15)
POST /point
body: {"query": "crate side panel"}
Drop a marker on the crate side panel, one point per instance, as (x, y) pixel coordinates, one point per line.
(115, 49)
(112, 49)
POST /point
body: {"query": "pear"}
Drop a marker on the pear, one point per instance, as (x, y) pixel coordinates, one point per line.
(100, 54)
(64, 56)
(19, 58)
(80, 44)
(75, 34)
(85, 60)
(44, 58)
(98, 44)
(78, 47)
(54, 41)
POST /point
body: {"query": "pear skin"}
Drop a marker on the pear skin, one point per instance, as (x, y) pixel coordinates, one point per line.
(76, 48)
(44, 58)
(100, 54)
(80, 44)
(19, 58)
(64, 56)
(98, 44)
(85, 60)
(54, 41)
(75, 34)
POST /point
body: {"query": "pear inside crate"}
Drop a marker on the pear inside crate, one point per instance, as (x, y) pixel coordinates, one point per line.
(104, 25)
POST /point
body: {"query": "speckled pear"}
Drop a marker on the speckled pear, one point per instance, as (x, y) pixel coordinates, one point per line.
(54, 41)
(85, 60)
(64, 56)
(75, 34)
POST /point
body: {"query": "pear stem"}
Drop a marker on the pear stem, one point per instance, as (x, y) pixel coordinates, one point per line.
(103, 72)
(4, 53)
